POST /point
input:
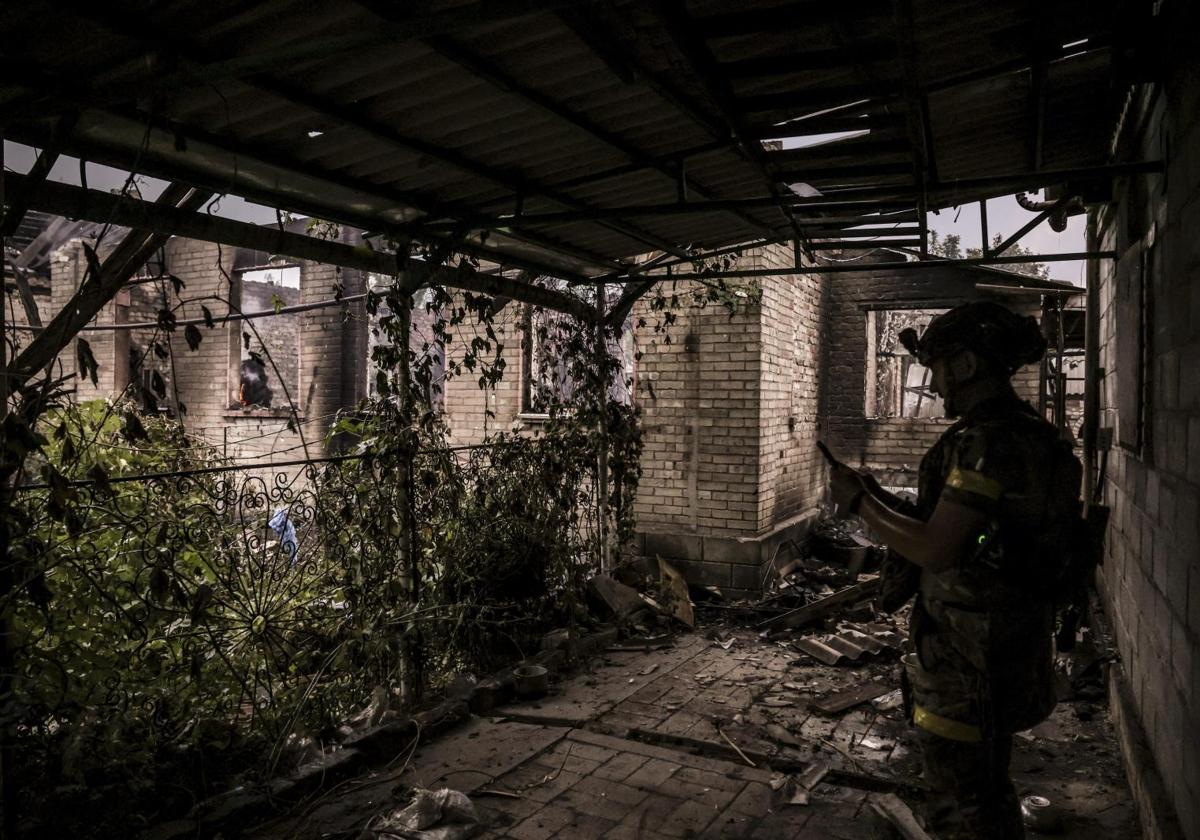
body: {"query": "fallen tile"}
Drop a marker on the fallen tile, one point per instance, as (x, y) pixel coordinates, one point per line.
(843, 700)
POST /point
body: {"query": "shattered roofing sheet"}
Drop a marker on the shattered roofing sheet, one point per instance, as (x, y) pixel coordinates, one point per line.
(377, 114)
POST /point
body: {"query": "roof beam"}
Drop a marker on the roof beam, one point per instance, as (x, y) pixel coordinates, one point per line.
(681, 29)
(98, 286)
(845, 173)
(673, 209)
(864, 52)
(164, 220)
(915, 265)
(839, 245)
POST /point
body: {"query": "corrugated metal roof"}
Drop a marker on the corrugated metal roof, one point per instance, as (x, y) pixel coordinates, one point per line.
(380, 114)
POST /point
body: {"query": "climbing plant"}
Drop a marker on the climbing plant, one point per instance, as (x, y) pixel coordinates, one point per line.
(178, 622)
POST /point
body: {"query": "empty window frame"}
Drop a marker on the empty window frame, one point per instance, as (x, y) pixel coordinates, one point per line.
(427, 350)
(546, 379)
(267, 364)
(897, 386)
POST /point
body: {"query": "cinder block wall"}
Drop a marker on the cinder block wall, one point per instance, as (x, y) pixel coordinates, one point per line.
(1151, 576)
(891, 447)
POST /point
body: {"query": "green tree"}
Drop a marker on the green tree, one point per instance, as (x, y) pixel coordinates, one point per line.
(950, 247)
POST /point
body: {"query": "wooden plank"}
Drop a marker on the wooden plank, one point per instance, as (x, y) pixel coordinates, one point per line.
(892, 808)
(835, 703)
(819, 609)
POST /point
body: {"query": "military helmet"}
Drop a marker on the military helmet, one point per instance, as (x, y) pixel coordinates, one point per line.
(990, 330)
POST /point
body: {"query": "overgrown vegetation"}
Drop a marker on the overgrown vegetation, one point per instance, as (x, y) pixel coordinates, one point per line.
(172, 635)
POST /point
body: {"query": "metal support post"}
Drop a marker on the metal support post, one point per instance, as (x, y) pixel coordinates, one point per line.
(409, 559)
(1091, 368)
(602, 381)
(8, 787)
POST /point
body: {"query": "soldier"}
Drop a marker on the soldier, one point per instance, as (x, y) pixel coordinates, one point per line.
(998, 500)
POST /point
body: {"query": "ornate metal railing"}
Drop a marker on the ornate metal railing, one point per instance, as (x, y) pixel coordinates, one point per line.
(187, 624)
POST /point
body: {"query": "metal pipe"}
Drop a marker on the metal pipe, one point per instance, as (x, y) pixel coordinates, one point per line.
(1091, 365)
(915, 265)
(219, 319)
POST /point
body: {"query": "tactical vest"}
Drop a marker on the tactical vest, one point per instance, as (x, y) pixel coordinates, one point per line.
(982, 629)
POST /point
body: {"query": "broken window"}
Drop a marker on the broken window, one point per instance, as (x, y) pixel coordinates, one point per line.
(545, 377)
(268, 363)
(897, 385)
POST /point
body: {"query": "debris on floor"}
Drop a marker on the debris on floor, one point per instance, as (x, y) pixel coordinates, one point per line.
(432, 815)
(796, 729)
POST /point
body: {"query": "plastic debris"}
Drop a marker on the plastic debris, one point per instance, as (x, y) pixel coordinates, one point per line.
(443, 814)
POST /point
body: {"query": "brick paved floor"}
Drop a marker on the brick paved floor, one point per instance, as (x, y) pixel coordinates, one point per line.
(613, 753)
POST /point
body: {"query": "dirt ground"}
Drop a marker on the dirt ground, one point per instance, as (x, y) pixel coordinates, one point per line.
(711, 737)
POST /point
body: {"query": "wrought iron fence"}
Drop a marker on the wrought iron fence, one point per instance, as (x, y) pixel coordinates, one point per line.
(178, 626)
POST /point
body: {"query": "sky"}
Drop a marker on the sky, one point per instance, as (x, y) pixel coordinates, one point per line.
(1004, 214)
(19, 158)
(1005, 217)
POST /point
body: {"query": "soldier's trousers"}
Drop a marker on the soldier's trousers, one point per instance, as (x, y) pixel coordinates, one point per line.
(972, 796)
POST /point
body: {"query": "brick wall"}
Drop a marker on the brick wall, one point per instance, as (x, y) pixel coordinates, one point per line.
(329, 376)
(890, 447)
(467, 406)
(14, 311)
(1151, 577)
(699, 400)
(791, 478)
(729, 412)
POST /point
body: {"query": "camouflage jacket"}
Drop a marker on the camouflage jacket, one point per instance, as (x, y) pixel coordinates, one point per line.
(983, 655)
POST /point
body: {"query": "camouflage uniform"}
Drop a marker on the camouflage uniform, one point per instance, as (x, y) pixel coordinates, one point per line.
(982, 662)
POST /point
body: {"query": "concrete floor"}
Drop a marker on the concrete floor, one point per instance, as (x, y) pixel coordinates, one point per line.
(635, 747)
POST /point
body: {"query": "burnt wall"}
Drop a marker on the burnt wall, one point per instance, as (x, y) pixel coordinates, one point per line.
(891, 447)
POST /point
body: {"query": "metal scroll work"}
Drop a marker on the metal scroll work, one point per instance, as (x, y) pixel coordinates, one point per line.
(174, 630)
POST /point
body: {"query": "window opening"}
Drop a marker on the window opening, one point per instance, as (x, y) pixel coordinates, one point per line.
(422, 341)
(269, 349)
(545, 375)
(899, 386)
